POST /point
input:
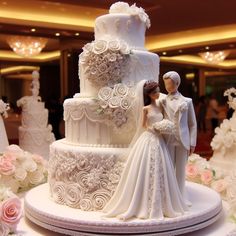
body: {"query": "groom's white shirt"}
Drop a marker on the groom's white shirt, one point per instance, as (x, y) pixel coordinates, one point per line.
(180, 109)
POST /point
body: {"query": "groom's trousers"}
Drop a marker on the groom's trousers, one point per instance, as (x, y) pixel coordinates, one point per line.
(179, 156)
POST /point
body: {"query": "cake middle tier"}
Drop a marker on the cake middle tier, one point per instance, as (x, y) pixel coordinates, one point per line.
(86, 126)
(140, 65)
(35, 119)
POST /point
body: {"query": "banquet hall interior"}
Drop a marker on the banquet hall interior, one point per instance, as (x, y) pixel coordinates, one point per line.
(195, 38)
(40, 46)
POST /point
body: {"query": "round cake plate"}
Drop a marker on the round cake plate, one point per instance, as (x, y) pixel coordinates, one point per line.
(41, 210)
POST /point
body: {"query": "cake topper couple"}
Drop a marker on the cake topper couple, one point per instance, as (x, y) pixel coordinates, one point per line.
(149, 187)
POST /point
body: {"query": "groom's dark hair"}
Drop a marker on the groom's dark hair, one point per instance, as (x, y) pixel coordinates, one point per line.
(149, 87)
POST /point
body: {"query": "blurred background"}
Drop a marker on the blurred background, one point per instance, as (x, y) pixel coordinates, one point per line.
(195, 38)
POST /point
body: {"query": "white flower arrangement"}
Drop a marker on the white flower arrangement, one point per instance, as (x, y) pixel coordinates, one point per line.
(115, 103)
(225, 136)
(164, 127)
(199, 170)
(106, 62)
(21, 170)
(231, 94)
(122, 7)
(10, 211)
(4, 107)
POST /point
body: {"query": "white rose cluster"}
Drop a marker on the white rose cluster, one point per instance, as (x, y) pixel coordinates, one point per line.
(115, 102)
(231, 94)
(122, 7)
(164, 127)
(4, 107)
(225, 136)
(106, 62)
(21, 170)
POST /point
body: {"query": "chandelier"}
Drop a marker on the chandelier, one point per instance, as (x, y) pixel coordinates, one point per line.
(214, 57)
(26, 46)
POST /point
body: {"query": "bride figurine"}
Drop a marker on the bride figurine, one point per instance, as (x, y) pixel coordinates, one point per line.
(3, 135)
(148, 187)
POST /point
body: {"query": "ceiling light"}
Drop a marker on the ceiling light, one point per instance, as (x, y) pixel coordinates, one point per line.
(33, 30)
(57, 34)
(214, 57)
(207, 48)
(164, 53)
(26, 46)
(76, 34)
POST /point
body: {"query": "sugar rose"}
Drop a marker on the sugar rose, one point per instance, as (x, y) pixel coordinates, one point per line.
(11, 212)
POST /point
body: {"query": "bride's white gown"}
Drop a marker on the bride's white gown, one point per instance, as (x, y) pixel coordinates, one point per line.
(148, 188)
(3, 136)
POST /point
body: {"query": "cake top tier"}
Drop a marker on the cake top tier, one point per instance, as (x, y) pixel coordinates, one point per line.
(123, 22)
(31, 104)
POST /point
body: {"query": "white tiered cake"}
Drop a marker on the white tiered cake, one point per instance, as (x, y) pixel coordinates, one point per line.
(224, 142)
(35, 135)
(100, 121)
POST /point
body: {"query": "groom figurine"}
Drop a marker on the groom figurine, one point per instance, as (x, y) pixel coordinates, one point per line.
(179, 109)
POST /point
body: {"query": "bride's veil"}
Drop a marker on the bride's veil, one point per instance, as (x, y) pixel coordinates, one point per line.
(138, 112)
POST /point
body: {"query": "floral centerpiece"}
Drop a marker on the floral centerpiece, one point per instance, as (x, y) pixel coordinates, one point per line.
(225, 136)
(115, 103)
(4, 107)
(231, 94)
(21, 170)
(199, 170)
(10, 211)
(106, 62)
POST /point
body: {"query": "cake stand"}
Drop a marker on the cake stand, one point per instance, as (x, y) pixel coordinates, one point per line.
(42, 210)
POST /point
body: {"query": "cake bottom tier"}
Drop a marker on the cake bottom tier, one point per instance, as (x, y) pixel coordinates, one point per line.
(84, 177)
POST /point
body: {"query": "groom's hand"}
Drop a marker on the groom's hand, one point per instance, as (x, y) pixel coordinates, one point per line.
(191, 151)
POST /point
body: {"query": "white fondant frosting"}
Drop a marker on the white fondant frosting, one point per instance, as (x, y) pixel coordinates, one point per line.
(84, 177)
(31, 119)
(121, 26)
(82, 120)
(35, 135)
(36, 140)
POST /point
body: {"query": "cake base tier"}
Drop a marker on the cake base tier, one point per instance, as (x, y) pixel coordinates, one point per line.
(205, 210)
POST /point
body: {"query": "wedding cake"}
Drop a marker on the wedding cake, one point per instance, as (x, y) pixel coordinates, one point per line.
(35, 135)
(100, 120)
(86, 166)
(224, 142)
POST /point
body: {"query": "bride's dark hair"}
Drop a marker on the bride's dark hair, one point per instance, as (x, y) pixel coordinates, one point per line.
(149, 87)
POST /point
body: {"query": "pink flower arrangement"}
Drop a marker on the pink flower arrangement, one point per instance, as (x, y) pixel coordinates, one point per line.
(219, 186)
(21, 170)
(10, 211)
(192, 171)
(7, 166)
(207, 176)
